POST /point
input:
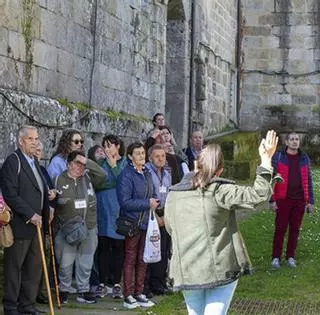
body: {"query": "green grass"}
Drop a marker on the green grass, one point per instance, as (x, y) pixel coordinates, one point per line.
(298, 284)
(171, 305)
(286, 284)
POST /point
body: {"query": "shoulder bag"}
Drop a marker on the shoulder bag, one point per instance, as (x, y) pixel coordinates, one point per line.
(75, 230)
(6, 235)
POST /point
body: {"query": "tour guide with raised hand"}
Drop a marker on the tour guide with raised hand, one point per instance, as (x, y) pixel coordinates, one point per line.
(208, 251)
(25, 190)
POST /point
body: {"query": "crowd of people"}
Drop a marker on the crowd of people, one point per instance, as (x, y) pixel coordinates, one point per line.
(91, 187)
(81, 196)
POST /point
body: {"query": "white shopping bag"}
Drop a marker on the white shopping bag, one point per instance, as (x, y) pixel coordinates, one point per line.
(152, 247)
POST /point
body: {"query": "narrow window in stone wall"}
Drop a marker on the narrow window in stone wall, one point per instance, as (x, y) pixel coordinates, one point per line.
(233, 97)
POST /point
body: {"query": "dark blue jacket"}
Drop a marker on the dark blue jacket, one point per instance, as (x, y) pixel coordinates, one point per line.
(134, 191)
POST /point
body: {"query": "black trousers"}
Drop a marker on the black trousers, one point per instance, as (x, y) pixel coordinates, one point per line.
(110, 258)
(157, 272)
(22, 272)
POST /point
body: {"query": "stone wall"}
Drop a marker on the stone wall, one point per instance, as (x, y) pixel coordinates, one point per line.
(281, 65)
(215, 64)
(114, 64)
(106, 56)
(109, 53)
(178, 65)
(201, 65)
(51, 118)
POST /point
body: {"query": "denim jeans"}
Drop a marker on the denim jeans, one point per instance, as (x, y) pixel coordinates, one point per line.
(210, 301)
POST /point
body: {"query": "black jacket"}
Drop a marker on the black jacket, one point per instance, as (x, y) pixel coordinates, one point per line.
(22, 193)
(191, 158)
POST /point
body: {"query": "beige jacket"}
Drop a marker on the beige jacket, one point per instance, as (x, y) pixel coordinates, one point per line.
(208, 249)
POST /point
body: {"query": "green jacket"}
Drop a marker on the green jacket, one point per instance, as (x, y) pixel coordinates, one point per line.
(208, 249)
(70, 190)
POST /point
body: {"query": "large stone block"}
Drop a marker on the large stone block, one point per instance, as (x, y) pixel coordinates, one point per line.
(299, 5)
(141, 88)
(83, 10)
(111, 52)
(11, 15)
(62, 7)
(110, 77)
(65, 62)
(305, 99)
(4, 41)
(300, 54)
(82, 68)
(12, 72)
(79, 40)
(73, 89)
(55, 30)
(17, 46)
(257, 30)
(45, 55)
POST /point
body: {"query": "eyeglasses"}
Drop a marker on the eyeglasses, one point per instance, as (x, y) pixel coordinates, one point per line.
(76, 142)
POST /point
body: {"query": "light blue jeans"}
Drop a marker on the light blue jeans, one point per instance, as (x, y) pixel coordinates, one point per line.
(214, 301)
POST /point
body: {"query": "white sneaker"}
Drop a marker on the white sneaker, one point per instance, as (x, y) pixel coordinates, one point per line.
(130, 302)
(117, 292)
(275, 264)
(143, 301)
(291, 262)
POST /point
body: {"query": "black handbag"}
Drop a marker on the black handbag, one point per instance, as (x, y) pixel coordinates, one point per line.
(127, 226)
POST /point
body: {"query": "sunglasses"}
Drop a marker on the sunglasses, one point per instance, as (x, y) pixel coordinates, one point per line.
(76, 142)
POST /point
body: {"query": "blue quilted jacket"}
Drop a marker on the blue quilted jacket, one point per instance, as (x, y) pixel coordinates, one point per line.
(134, 191)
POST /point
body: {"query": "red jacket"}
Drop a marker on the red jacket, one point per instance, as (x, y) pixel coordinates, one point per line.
(280, 165)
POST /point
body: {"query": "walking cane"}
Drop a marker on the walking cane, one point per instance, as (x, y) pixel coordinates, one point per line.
(44, 265)
(53, 260)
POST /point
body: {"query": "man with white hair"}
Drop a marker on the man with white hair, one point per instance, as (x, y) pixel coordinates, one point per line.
(25, 191)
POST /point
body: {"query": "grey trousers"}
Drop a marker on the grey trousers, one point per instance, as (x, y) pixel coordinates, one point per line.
(80, 255)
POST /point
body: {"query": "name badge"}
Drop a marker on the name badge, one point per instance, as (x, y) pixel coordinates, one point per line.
(80, 203)
(162, 189)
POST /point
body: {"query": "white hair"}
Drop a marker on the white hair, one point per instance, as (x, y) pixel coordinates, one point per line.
(24, 129)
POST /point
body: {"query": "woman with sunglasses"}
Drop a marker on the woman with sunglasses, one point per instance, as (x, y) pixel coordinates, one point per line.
(76, 197)
(71, 140)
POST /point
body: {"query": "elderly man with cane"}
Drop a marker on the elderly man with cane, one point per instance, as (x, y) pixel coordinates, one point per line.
(25, 191)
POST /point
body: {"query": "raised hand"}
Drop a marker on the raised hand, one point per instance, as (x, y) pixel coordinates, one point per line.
(112, 160)
(267, 147)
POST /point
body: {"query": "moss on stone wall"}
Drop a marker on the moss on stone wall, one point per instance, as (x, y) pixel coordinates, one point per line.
(26, 24)
(279, 109)
(111, 114)
(240, 151)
